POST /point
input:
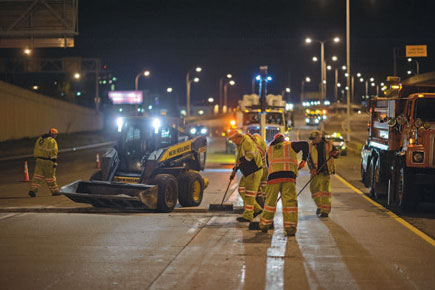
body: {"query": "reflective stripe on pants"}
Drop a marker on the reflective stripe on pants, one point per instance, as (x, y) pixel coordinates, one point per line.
(44, 170)
(320, 188)
(248, 187)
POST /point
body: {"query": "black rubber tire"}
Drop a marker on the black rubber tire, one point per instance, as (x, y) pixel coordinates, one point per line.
(190, 189)
(406, 197)
(98, 175)
(371, 177)
(364, 176)
(167, 192)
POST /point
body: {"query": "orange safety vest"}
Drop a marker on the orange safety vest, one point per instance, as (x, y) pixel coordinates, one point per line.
(282, 157)
(315, 156)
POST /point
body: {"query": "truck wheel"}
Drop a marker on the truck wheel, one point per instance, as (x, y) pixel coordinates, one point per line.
(364, 176)
(407, 199)
(376, 190)
(98, 175)
(191, 189)
(167, 192)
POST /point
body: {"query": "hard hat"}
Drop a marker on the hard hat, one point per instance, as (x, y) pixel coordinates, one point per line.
(278, 136)
(53, 131)
(233, 133)
(315, 134)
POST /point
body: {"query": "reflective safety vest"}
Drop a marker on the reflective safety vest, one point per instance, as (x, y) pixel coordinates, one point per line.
(261, 147)
(45, 147)
(315, 156)
(282, 157)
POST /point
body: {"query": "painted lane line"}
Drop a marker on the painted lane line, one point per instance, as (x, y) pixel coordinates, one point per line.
(390, 213)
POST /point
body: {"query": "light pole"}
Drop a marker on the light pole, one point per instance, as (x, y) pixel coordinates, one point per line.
(221, 81)
(348, 66)
(307, 79)
(136, 80)
(322, 62)
(188, 83)
(225, 107)
(417, 64)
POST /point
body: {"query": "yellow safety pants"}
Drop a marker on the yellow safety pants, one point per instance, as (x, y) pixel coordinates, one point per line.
(261, 195)
(289, 205)
(44, 170)
(248, 187)
(320, 188)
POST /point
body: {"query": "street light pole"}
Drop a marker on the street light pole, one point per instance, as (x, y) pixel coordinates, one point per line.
(136, 80)
(335, 85)
(188, 84)
(322, 70)
(225, 106)
(348, 65)
(221, 81)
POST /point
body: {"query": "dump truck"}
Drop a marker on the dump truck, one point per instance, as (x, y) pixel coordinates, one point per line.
(153, 164)
(398, 160)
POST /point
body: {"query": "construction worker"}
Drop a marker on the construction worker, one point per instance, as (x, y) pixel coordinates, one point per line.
(321, 164)
(261, 147)
(45, 152)
(283, 170)
(248, 160)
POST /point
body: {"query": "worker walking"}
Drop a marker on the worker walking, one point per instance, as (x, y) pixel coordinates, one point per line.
(321, 151)
(262, 148)
(283, 170)
(45, 152)
(248, 160)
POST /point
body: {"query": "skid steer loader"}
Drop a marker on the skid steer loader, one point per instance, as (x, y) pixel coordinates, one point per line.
(153, 164)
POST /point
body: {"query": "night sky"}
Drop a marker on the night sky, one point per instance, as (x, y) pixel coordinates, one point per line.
(171, 37)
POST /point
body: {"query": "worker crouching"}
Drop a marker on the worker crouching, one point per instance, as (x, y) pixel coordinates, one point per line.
(248, 160)
(283, 169)
(321, 164)
(262, 148)
(45, 152)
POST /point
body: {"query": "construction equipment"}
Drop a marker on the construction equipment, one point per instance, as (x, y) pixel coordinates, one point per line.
(398, 160)
(153, 164)
(222, 206)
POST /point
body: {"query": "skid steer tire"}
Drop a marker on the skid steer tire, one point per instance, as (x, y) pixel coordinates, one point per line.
(190, 189)
(167, 192)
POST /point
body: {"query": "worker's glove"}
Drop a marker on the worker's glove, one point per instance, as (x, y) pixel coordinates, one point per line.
(335, 154)
(233, 174)
(313, 172)
(302, 164)
(54, 164)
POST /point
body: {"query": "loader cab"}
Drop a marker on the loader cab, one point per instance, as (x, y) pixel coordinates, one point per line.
(139, 137)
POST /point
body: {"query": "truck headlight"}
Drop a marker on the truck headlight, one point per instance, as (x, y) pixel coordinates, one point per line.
(418, 157)
(316, 121)
(204, 131)
(307, 120)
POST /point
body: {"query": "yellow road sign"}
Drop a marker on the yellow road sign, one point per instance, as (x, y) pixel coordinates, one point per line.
(416, 51)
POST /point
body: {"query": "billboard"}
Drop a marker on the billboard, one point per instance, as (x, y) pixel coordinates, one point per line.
(126, 97)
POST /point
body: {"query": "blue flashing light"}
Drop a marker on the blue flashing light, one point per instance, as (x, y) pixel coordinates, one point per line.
(269, 78)
(258, 77)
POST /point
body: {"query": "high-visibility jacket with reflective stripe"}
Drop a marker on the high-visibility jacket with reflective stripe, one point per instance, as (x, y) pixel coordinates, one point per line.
(282, 157)
(314, 156)
(45, 147)
(262, 147)
(248, 149)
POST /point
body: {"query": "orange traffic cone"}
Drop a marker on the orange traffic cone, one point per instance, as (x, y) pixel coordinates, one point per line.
(97, 163)
(26, 172)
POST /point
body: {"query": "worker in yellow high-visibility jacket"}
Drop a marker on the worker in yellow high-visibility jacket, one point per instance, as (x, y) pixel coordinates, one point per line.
(248, 160)
(283, 169)
(261, 147)
(45, 152)
(321, 151)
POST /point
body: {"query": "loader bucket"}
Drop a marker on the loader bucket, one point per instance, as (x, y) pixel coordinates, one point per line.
(112, 195)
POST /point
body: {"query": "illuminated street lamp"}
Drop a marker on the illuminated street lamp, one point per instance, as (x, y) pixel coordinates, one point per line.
(315, 59)
(416, 62)
(306, 80)
(322, 62)
(77, 76)
(169, 90)
(231, 83)
(27, 51)
(210, 100)
(146, 74)
(288, 90)
(334, 58)
(188, 84)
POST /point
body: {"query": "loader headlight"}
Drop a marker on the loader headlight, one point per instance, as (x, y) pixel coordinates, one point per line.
(120, 123)
(203, 131)
(156, 125)
(418, 157)
(316, 121)
(193, 131)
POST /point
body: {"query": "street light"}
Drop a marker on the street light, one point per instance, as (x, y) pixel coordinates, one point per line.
(210, 100)
(315, 59)
(306, 80)
(169, 90)
(231, 83)
(221, 84)
(27, 51)
(417, 64)
(77, 76)
(188, 84)
(334, 58)
(322, 62)
(146, 74)
(288, 90)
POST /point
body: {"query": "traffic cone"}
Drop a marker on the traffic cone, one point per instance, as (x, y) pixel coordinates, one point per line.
(97, 163)
(26, 172)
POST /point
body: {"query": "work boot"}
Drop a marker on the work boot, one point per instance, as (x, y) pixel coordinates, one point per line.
(323, 215)
(290, 232)
(56, 193)
(32, 194)
(241, 219)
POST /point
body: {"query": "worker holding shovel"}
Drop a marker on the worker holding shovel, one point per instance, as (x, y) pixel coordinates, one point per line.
(321, 164)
